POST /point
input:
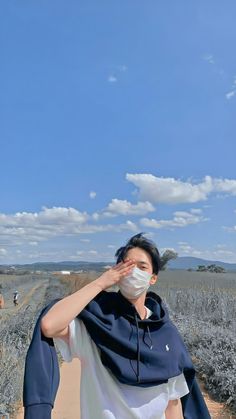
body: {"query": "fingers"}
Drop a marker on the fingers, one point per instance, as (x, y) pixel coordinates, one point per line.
(115, 267)
(126, 268)
(122, 265)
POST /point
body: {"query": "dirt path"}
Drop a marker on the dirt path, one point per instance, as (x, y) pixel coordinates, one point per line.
(26, 292)
(67, 405)
(217, 410)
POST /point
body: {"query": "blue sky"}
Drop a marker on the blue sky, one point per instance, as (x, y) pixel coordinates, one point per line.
(116, 118)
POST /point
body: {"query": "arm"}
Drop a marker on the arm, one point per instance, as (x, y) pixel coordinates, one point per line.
(55, 322)
(174, 410)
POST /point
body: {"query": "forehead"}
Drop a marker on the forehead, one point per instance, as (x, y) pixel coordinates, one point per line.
(139, 255)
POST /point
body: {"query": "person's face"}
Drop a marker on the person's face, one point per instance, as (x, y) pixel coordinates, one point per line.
(142, 260)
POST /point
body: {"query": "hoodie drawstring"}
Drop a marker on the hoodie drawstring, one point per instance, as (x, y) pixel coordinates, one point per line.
(150, 338)
(138, 345)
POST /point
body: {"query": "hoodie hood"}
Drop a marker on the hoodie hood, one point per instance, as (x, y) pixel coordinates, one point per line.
(138, 352)
(152, 301)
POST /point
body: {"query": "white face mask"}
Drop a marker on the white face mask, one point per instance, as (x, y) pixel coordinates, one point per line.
(134, 284)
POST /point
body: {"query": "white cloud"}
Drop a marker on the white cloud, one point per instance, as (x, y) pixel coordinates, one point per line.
(92, 194)
(48, 223)
(3, 252)
(85, 240)
(222, 252)
(129, 225)
(210, 254)
(181, 219)
(116, 71)
(112, 79)
(48, 255)
(231, 229)
(163, 249)
(185, 248)
(123, 207)
(230, 94)
(91, 256)
(96, 216)
(111, 246)
(93, 252)
(171, 191)
(225, 185)
(209, 58)
(196, 210)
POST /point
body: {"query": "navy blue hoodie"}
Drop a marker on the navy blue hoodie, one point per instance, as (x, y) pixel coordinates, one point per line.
(138, 352)
(42, 374)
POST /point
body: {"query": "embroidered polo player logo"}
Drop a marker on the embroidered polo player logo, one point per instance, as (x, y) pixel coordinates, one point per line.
(167, 348)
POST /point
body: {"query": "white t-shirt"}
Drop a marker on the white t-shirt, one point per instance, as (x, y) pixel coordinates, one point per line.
(102, 396)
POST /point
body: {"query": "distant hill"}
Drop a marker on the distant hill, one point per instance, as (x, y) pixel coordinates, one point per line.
(184, 262)
(59, 266)
(187, 262)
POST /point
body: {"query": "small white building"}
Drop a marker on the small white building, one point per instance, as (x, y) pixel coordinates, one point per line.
(65, 272)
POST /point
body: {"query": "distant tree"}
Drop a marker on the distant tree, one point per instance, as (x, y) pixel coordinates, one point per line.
(210, 268)
(220, 269)
(167, 255)
(201, 268)
(216, 269)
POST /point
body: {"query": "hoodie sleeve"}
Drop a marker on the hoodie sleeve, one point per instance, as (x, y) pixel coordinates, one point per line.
(41, 374)
(73, 348)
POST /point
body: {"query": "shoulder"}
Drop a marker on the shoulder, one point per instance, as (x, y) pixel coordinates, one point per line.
(106, 296)
(106, 301)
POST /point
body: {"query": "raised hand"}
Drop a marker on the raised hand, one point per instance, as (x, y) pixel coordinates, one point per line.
(113, 275)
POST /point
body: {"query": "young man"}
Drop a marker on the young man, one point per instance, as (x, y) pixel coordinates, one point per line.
(133, 361)
(15, 298)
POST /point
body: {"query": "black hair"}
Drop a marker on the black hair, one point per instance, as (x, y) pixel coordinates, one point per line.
(140, 241)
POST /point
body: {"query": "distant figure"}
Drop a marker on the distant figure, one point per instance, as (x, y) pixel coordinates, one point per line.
(15, 298)
(1, 301)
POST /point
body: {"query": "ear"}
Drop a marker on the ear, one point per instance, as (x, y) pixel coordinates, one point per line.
(153, 279)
